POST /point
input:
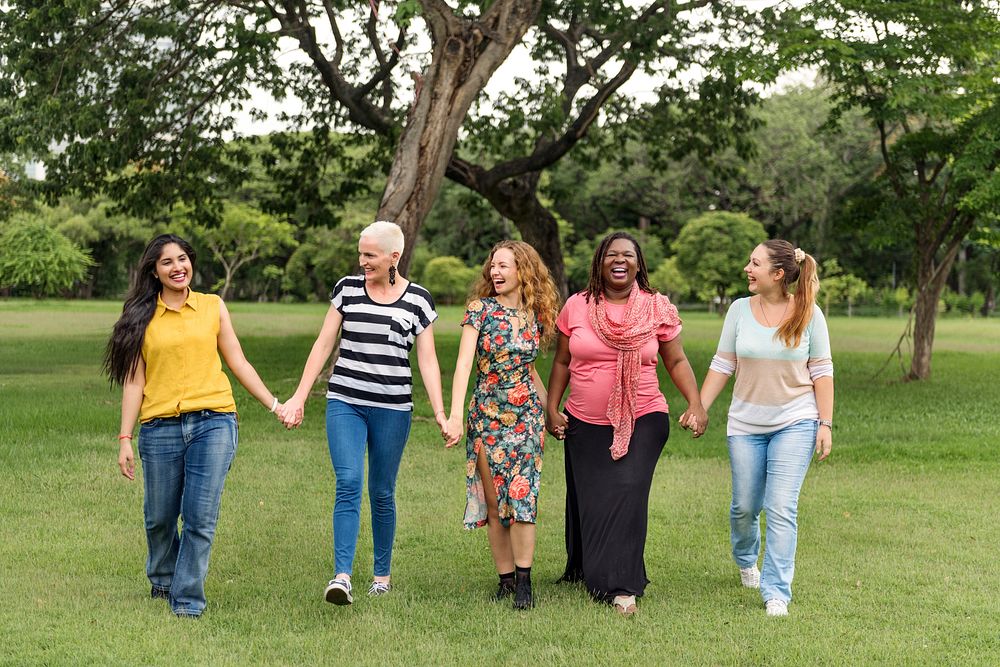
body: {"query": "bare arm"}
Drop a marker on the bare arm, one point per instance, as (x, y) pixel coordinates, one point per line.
(232, 352)
(713, 385)
(321, 349)
(555, 421)
(460, 382)
(131, 405)
(682, 375)
(430, 373)
(823, 386)
(543, 395)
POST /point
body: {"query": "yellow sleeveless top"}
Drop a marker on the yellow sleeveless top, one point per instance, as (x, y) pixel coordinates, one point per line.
(183, 368)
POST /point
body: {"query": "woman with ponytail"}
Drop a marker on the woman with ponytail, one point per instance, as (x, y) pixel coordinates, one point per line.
(777, 344)
(164, 352)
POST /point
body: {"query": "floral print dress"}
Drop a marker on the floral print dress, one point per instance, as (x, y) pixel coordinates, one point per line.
(505, 415)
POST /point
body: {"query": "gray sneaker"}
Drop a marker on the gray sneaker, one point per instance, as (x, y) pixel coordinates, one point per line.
(379, 588)
(338, 591)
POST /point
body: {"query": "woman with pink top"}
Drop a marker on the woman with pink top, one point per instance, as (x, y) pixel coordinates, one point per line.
(615, 422)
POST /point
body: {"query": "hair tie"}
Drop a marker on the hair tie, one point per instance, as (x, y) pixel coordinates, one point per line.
(800, 255)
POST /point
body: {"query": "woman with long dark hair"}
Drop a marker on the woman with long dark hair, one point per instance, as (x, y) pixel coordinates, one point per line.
(616, 420)
(777, 344)
(164, 352)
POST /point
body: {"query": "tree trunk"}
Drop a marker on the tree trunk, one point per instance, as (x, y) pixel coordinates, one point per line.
(517, 200)
(933, 276)
(465, 55)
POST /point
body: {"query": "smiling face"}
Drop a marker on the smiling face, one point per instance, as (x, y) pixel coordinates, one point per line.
(503, 273)
(620, 265)
(173, 268)
(374, 260)
(761, 275)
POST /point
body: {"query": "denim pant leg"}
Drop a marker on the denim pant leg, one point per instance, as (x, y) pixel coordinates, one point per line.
(161, 450)
(388, 431)
(788, 456)
(211, 439)
(346, 433)
(748, 460)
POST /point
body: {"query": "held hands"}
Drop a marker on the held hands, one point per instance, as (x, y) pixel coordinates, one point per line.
(442, 422)
(291, 412)
(694, 419)
(453, 431)
(556, 423)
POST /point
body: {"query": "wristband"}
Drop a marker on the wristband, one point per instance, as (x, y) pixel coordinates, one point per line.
(124, 436)
(274, 405)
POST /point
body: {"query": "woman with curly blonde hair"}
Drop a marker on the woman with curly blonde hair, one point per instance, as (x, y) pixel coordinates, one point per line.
(510, 317)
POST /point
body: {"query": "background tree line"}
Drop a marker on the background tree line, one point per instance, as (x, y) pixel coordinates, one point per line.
(805, 181)
(138, 101)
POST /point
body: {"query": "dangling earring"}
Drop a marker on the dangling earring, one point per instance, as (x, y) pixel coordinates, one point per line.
(392, 274)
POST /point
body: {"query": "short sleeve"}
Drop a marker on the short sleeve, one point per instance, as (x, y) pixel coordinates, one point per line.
(475, 314)
(819, 336)
(727, 340)
(670, 329)
(426, 315)
(337, 296)
(820, 362)
(566, 314)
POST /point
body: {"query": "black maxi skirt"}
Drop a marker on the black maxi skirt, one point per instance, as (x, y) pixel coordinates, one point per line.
(607, 504)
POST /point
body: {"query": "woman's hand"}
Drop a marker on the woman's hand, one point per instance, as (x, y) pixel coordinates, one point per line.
(126, 459)
(824, 441)
(556, 424)
(695, 419)
(454, 431)
(291, 412)
(442, 422)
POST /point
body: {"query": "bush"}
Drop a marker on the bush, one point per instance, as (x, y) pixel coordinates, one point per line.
(38, 259)
(448, 279)
(668, 279)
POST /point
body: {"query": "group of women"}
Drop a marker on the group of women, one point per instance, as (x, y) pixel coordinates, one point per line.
(609, 338)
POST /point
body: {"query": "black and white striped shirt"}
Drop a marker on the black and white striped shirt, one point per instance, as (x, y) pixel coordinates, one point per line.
(373, 368)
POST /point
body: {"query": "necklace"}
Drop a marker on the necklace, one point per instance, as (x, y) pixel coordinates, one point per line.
(763, 312)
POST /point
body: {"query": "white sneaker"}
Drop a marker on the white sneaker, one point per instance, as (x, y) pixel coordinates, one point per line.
(750, 577)
(338, 591)
(776, 608)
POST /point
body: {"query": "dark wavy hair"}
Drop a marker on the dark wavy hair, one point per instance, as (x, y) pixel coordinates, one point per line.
(595, 287)
(121, 356)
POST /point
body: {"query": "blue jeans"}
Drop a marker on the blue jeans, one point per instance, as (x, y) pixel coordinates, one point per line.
(349, 428)
(184, 464)
(768, 470)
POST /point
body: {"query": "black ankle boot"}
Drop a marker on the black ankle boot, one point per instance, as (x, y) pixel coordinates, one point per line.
(505, 589)
(522, 594)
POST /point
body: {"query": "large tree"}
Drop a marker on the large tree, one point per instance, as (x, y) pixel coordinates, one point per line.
(925, 74)
(140, 97)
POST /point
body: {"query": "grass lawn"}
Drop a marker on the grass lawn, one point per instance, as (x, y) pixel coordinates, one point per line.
(897, 561)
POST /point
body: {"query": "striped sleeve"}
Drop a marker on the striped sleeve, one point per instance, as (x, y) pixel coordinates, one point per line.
(724, 360)
(820, 362)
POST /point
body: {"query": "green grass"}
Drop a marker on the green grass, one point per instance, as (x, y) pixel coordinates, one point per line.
(897, 557)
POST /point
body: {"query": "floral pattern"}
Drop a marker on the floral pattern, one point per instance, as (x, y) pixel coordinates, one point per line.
(505, 416)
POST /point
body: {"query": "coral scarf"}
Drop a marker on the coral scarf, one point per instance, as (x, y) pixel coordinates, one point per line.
(644, 314)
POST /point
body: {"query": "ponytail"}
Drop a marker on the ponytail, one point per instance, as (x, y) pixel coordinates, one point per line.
(802, 278)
